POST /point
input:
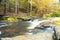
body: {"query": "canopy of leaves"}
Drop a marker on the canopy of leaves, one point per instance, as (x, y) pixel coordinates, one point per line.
(38, 7)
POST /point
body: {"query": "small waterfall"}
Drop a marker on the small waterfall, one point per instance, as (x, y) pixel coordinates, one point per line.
(35, 23)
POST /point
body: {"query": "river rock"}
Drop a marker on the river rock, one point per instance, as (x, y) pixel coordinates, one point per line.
(57, 28)
(38, 36)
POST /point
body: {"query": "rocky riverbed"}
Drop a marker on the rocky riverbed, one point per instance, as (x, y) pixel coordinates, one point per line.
(20, 28)
(38, 36)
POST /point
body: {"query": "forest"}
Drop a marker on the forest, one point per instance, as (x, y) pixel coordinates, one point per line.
(30, 8)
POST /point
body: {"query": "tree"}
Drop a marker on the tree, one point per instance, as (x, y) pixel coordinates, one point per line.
(0, 0)
(16, 6)
(4, 7)
(43, 6)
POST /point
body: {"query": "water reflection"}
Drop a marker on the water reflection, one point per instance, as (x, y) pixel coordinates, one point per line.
(16, 28)
(20, 28)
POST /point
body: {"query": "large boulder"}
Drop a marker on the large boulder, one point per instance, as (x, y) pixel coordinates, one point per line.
(57, 28)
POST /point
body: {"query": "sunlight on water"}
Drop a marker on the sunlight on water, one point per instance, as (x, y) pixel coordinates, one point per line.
(35, 23)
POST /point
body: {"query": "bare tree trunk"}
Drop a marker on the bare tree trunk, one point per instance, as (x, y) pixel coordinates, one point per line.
(28, 10)
(9, 6)
(0, 2)
(30, 7)
(4, 7)
(16, 6)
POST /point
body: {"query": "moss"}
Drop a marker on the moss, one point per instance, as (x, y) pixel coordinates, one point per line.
(10, 19)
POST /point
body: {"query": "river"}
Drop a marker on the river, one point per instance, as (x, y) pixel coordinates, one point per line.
(12, 29)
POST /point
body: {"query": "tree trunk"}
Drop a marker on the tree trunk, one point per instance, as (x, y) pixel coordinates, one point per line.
(29, 7)
(4, 7)
(16, 6)
(9, 7)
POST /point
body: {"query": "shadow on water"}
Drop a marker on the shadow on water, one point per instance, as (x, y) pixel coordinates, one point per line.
(17, 28)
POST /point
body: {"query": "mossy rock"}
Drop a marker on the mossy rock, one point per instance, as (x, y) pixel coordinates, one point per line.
(10, 19)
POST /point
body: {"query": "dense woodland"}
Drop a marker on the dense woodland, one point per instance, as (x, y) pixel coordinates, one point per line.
(32, 8)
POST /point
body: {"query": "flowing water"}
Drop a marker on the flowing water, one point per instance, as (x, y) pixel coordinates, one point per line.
(12, 29)
(22, 27)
